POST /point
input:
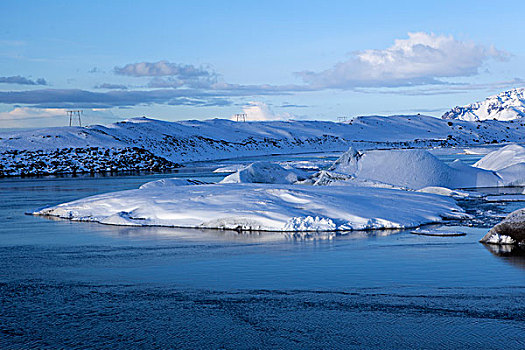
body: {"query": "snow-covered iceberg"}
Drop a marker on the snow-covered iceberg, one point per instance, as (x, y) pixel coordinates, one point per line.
(265, 172)
(413, 169)
(510, 231)
(288, 208)
(502, 158)
(508, 162)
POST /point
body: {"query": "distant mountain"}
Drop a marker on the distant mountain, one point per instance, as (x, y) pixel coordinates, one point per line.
(507, 105)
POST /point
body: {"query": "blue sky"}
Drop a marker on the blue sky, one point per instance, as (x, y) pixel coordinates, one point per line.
(274, 59)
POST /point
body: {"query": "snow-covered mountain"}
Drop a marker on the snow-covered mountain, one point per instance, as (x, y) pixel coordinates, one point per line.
(507, 105)
(150, 144)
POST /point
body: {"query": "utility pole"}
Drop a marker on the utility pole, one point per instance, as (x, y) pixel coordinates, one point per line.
(75, 114)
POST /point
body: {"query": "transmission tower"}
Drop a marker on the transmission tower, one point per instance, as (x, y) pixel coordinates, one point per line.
(75, 115)
(240, 117)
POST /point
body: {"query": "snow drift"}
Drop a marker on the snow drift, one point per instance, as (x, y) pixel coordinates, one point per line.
(508, 162)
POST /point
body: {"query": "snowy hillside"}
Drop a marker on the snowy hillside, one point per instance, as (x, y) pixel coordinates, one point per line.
(507, 105)
(143, 143)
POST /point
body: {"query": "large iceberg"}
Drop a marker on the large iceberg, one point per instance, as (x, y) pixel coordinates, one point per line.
(288, 208)
(413, 169)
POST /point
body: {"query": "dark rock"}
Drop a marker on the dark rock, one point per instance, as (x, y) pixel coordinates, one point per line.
(512, 226)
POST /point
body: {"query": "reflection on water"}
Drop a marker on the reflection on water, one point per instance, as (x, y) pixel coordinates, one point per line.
(510, 253)
(166, 232)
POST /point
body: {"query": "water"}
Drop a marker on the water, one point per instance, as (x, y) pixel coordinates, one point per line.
(85, 285)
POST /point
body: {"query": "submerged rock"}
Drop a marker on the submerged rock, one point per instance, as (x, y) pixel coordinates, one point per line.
(510, 231)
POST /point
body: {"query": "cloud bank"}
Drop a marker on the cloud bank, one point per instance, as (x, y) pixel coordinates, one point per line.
(70, 98)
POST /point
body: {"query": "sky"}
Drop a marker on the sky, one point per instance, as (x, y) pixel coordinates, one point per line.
(176, 60)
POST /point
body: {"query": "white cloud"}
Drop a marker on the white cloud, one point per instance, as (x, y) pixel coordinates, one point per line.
(171, 75)
(419, 60)
(259, 111)
(162, 69)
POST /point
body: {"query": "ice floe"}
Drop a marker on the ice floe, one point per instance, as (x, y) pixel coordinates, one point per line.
(506, 198)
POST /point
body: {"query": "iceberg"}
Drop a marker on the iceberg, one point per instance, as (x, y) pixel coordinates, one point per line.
(502, 158)
(413, 169)
(508, 162)
(262, 207)
(265, 172)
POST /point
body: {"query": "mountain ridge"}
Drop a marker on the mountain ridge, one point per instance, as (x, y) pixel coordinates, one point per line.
(507, 105)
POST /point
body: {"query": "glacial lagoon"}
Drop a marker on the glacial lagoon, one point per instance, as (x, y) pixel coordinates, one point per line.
(69, 283)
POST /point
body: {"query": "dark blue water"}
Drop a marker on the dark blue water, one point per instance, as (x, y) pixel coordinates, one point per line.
(86, 285)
